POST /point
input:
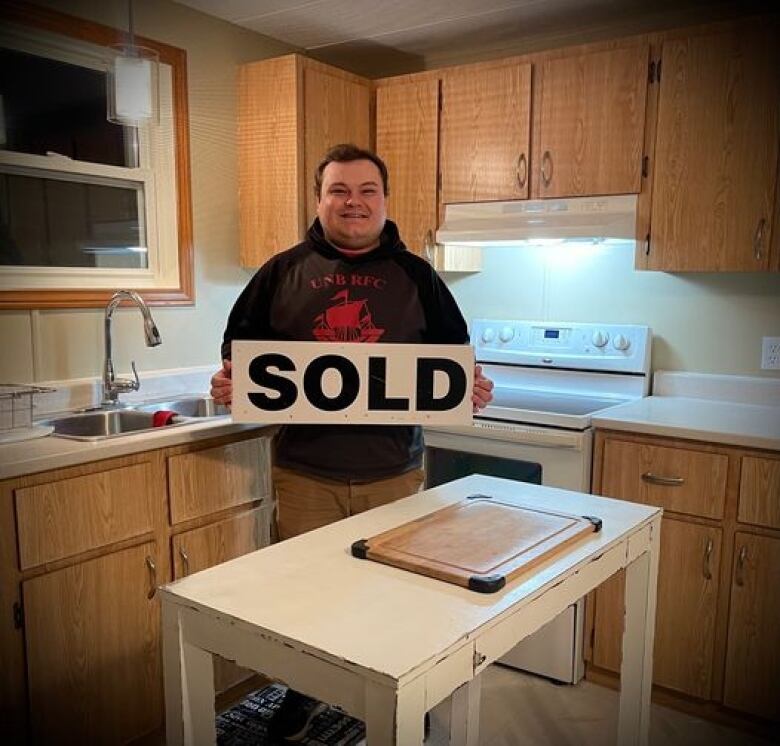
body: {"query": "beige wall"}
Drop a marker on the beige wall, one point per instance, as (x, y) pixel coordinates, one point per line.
(53, 345)
(701, 322)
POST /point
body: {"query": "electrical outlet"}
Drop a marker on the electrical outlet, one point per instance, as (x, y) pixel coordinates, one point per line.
(770, 353)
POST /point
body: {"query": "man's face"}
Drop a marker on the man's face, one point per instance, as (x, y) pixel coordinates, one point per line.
(352, 206)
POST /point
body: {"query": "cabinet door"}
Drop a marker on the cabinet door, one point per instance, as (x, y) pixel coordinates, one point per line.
(485, 134)
(407, 137)
(212, 545)
(93, 650)
(752, 682)
(592, 123)
(685, 613)
(337, 111)
(716, 152)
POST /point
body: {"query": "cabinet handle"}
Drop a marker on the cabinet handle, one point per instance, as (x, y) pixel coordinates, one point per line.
(547, 168)
(152, 577)
(740, 578)
(707, 555)
(758, 238)
(185, 560)
(522, 168)
(647, 245)
(651, 478)
(428, 246)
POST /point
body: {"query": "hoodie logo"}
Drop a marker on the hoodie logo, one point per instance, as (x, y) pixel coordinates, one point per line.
(346, 320)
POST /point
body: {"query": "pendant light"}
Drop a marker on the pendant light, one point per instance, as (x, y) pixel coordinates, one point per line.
(132, 81)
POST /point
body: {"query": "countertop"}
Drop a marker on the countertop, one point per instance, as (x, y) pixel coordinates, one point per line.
(52, 452)
(732, 423)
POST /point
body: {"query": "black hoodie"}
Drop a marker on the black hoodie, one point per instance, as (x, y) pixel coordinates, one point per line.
(313, 292)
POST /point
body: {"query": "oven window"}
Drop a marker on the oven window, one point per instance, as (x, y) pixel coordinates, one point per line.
(443, 465)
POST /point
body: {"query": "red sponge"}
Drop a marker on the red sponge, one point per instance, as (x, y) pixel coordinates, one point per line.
(163, 417)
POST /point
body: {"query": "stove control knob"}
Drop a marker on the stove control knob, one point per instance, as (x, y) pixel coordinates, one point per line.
(506, 334)
(600, 338)
(488, 335)
(621, 342)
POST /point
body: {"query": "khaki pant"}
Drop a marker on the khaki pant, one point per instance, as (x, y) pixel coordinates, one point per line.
(305, 503)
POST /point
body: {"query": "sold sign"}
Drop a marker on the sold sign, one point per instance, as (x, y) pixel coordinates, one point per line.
(326, 382)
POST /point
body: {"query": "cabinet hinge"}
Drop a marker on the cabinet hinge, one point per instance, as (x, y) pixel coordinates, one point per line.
(18, 616)
(645, 166)
(651, 72)
(438, 181)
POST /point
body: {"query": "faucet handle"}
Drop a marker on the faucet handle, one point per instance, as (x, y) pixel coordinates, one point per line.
(136, 384)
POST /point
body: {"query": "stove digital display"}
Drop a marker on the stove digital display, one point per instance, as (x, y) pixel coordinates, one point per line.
(552, 333)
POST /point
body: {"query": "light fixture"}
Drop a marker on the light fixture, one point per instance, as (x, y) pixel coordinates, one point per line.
(132, 81)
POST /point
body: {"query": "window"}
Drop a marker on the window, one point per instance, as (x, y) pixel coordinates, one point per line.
(87, 206)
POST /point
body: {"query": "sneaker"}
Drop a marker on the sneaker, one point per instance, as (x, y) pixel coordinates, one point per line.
(294, 716)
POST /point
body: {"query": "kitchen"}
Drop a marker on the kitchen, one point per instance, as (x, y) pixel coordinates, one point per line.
(704, 322)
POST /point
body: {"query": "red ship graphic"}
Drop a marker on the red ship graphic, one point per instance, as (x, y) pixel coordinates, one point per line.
(346, 321)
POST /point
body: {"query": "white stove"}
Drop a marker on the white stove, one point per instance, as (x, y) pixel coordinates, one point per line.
(549, 379)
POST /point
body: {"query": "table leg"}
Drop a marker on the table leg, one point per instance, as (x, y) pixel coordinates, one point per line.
(395, 717)
(636, 669)
(189, 686)
(464, 713)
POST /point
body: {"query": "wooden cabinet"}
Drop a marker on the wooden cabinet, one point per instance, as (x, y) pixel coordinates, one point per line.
(291, 110)
(717, 614)
(715, 164)
(592, 123)
(752, 682)
(407, 140)
(83, 551)
(93, 649)
(485, 133)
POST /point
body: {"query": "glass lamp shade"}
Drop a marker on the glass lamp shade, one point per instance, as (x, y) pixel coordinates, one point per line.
(133, 87)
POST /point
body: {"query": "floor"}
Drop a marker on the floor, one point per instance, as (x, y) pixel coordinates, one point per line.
(522, 710)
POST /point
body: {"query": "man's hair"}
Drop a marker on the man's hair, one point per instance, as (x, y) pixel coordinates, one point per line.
(345, 153)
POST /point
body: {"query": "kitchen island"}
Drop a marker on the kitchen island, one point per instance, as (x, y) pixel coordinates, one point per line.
(385, 644)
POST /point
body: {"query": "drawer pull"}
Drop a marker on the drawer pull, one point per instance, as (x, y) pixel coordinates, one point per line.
(740, 578)
(152, 577)
(651, 478)
(707, 556)
(185, 560)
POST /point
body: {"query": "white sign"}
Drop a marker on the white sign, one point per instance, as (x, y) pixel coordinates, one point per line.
(327, 382)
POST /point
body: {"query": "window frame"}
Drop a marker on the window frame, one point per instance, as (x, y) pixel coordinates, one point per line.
(181, 292)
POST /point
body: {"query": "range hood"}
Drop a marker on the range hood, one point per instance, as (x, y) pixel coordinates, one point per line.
(578, 218)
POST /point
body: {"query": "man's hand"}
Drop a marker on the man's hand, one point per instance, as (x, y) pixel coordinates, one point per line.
(222, 384)
(482, 394)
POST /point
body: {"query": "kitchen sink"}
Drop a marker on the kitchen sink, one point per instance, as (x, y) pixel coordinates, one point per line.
(112, 423)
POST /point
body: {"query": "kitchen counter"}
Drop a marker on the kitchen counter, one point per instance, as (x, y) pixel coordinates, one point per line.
(732, 423)
(52, 452)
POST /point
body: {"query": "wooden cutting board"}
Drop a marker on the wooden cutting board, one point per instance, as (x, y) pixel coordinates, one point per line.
(478, 543)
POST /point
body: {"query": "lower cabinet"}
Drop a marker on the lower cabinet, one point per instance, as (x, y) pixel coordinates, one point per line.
(752, 681)
(211, 545)
(93, 649)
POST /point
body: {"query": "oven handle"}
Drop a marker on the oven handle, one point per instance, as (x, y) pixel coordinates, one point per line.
(532, 436)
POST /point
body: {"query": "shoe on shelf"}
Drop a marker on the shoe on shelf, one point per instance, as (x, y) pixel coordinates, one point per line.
(294, 716)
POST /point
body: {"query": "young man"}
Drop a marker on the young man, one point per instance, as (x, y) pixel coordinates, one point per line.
(351, 279)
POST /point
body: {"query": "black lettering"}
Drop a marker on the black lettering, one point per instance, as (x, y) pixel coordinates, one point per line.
(426, 367)
(259, 373)
(312, 383)
(377, 388)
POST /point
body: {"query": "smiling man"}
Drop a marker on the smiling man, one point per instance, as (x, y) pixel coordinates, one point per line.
(351, 280)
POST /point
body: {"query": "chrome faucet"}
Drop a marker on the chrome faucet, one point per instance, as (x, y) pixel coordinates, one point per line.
(113, 386)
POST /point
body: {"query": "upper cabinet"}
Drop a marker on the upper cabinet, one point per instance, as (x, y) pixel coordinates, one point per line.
(591, 128)
(407, 139)
(485, 133)
(714, 171)
(291, 110)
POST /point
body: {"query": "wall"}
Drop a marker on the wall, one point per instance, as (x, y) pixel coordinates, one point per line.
(701, 322)
(54, 345)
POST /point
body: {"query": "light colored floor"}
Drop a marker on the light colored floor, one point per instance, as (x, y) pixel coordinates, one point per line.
(522, 710)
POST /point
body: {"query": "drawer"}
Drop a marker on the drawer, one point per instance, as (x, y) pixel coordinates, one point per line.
(213, 479)
(759, 492)
(69, 516)
(676, 479)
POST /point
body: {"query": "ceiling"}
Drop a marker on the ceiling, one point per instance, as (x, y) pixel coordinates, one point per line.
(388, 37)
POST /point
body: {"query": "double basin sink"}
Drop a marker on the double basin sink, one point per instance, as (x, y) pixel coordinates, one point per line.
(110, 423)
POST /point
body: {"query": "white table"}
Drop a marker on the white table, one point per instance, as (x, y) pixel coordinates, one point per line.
(388, 645)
